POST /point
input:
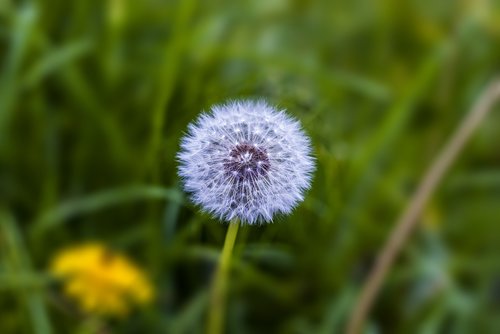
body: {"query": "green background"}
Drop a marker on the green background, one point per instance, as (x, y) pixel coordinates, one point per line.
(95, 96)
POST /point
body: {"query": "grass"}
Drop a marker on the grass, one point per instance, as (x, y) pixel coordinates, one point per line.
(95, 95)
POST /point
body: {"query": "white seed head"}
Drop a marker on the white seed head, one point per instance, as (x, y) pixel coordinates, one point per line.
(246, 160)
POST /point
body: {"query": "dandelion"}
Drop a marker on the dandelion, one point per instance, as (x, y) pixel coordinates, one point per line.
(100, 281)
(246, 160)
(243, 162)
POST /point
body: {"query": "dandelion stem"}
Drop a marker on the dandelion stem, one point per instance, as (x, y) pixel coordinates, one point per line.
(217, 308)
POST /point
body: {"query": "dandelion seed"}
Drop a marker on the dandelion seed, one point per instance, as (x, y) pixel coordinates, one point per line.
(263, 168)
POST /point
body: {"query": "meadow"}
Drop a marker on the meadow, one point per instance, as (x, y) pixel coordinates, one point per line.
(96, 95)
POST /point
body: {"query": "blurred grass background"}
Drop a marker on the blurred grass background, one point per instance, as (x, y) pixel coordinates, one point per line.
(95, 95)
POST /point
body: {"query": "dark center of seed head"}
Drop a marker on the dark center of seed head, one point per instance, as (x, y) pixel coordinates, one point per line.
(247, 162)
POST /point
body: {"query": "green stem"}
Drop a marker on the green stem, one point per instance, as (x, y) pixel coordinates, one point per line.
(217, 308)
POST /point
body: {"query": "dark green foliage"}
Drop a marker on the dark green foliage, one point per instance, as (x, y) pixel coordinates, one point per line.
(95, 95)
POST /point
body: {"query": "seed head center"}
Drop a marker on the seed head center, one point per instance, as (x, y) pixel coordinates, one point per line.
(247, 162)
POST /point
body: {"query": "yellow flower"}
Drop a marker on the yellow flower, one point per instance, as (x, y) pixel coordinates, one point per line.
(101, 281)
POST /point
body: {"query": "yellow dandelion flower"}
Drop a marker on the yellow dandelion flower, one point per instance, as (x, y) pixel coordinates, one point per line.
(101, 281)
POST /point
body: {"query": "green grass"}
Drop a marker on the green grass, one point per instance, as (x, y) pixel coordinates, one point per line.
(95, 95)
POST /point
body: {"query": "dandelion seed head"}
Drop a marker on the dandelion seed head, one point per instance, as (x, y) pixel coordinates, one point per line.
(246, 160)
